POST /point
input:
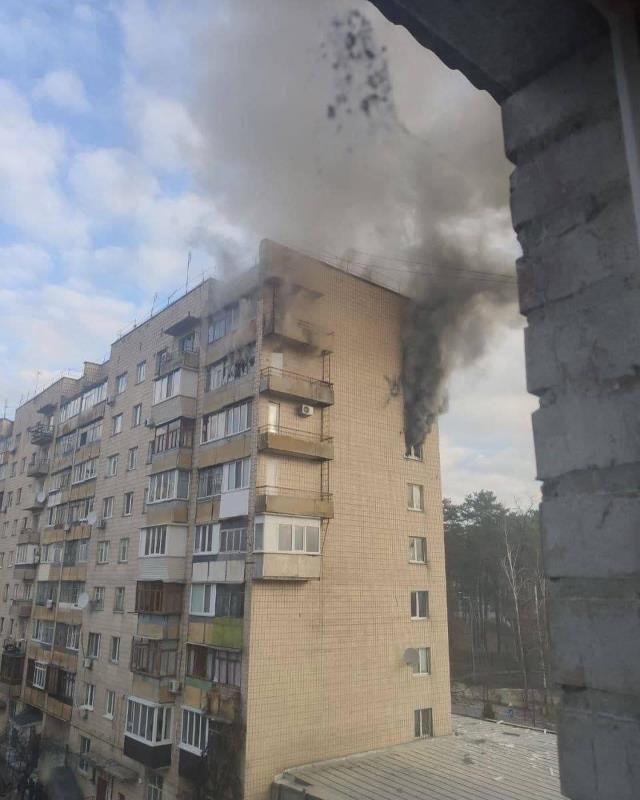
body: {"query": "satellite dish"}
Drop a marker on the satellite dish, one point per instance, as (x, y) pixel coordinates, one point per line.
(83, 600)
(92, 518)
(411, 657)
(41, 497)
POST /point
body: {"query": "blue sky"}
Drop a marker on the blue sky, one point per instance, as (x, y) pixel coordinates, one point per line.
(115, 164)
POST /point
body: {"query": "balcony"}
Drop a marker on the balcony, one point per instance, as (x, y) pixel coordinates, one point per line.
(155, 597)
(174, 359)
(294, 442)
(41, 434)
(282, 383)
(155, 658)
(287, 567)
(22, 607)
(12, 665)
(293, 502)
(152, 756)
(29, 536)
(35, 501)
(38, 467)
(295, 332)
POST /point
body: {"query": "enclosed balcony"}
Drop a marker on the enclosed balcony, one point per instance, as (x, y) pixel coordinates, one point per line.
(156, 597)
(293, 502)
(21, 607)
(41, 434)
(155, 658)
(291, 385)
(38, 467)
(295, 442)
(12, 664)
(35, 501)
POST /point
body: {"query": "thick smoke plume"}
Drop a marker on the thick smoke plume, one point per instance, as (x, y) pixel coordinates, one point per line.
(328, 129)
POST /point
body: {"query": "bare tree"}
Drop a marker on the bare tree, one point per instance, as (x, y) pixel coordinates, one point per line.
(517, 581)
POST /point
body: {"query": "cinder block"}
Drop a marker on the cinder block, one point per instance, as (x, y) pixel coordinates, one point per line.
(594, 535)
(595, 641)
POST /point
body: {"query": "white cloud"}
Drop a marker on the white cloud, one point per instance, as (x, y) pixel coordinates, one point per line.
(32, 160)
(64, 89)
(23, 264)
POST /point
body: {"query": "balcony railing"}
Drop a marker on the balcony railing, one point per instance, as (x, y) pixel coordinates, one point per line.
(41, 434)
(293, 501)
(283, 383)
(296, 442)
(173, 359)
(37, 467)
(29, 536)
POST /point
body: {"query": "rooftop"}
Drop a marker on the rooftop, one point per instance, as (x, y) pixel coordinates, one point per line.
(481, 761)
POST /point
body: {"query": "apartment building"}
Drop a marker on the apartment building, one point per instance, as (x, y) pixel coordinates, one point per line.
(217, 536)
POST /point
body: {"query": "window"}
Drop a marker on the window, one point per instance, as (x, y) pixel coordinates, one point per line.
(230, 368)
(136, 415)
(93, 645)
(123, 550)
(85, 470)
(114, 655)
(98, 598)
(22, 554)
(73, 637)
(70, 591)
(417, 550)
(132, 461)
(194, 730)
(88, 435)
(211, 664)
(416, 497)
(154, 541)
(39, 675)
(423, 665)
(109, 703)
(188, 343)
(66, 686)
(84, 765)
(52, 553)
(45, 591)
(155, 785)
(118, 598)
(121, 383)
(229, 600)
(43, 631)
(79, 510)
(141, 371)
(238, 474)
(223, 322)
(415, 452)
(107, 508)
(5, 594)
(233, 540)
(112, 465)
(89, 696)
(12, 556)
(18, 496)
(419, 605)
(203, 542)
(149, 722)
(210, 481)
(127, 504)
(299, 538)
(423, 722)
(82, 553)
(102, 556)
(170, 485)
(229, 422)
(23, 465)
(203, 599)
(177, 433)
(167, 386)
(116, 424)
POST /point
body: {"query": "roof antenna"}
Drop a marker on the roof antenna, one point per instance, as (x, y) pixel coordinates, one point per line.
(186, 283)
(153, 304)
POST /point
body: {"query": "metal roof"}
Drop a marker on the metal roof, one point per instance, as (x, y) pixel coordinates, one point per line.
(481, 760)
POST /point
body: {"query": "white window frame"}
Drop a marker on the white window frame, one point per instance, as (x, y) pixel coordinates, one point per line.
(119, 591)
(116, 424)
(127, 504)
(208, 606)
(423, 667)
(123, 550)
(297, 534)
(204, 533)
(415, 543)
(102, 551)
(168, 485)
(416, 605)
(112, 465)
(89, 696)
(133, 721)
(423, 723)
(73, 637)
(243, 466)
(121, 382)
(84, 765)
(107, 507)
(40, 668)
(415, 497)
(153, 542)
(93, 644)
(194, 730)
(132, 459)
(141, 371)
(233, 540)
(114, 652)
(109, 703)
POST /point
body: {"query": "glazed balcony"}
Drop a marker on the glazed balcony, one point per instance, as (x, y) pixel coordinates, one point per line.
(293, 386)
(41, 434)
(156, 597)
(293, 502)
(174, 359)
(12, 664)
(294, 442)
(155, 658)
(38, 467)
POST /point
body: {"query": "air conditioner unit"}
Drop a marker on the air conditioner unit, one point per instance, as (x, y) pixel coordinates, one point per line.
(50, 603)
(305, 410)
(88, 663)
(174, 686)
(101, 522)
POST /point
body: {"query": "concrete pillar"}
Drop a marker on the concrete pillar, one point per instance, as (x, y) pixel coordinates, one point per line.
(579, 282)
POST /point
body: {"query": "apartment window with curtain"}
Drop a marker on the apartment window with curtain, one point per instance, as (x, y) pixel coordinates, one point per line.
(419, 605)
(416, 497)
(210, 481)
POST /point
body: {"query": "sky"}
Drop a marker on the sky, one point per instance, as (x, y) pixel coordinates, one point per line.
(134, 132)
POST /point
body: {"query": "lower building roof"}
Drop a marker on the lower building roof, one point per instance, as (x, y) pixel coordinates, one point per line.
(481, 760)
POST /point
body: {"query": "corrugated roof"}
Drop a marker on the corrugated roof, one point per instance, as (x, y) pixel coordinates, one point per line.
(480, 761)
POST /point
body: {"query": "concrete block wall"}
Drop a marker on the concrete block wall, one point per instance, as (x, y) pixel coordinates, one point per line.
(580, 291)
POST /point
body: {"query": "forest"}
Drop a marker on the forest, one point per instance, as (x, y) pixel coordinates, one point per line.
(497, 607)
